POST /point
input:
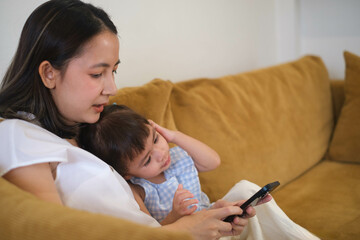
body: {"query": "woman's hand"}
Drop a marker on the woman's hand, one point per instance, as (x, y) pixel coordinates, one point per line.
(266, 199)
(239, 223)
(209, 224)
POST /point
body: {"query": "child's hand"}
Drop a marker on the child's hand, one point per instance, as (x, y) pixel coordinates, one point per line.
(181, 202)
(166, 133)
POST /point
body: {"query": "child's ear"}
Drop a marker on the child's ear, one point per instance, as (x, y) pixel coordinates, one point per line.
(48, 74)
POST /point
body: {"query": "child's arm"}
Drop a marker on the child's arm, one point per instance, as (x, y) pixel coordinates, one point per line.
(181, 203)
(139, 195)
(205, 158)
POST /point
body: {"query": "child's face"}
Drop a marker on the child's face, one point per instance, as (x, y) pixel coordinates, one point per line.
(153, 160)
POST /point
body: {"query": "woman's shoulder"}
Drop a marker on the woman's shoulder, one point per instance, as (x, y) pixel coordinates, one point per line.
(17, 129)
(13, 124)
(23, 143)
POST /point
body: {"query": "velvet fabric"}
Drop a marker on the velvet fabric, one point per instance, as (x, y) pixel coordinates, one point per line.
(267, 125)
(23, 216)
(150, 100)
(345, 145)
(329, 195)
(270, 124)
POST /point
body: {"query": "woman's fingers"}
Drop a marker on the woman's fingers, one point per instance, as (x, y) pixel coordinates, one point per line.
(222, 213)
(238, 226)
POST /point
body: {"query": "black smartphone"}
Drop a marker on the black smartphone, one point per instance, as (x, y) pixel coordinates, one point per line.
(252, 201)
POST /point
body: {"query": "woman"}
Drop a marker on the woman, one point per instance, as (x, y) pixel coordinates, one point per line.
(62, 76)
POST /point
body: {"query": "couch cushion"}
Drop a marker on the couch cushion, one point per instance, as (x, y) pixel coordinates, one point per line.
(22, 216)
(345, 145)
(337, 97)
(151, 100)
(325, 200)
(266, 125)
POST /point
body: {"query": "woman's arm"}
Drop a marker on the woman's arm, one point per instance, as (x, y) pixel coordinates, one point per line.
(205, 158)
(204, 225)
(36, 179)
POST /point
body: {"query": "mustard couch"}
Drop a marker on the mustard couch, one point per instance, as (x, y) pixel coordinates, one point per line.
(287, 122)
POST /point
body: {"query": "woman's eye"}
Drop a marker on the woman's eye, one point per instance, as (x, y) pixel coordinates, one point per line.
(96, 75)
(156, 138)
(114, 71)
(148, 161)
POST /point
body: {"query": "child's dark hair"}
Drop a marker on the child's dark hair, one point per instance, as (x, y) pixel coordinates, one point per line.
(118, 136)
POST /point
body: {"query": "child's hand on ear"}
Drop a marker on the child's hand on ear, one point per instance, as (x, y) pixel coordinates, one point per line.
(169, 135)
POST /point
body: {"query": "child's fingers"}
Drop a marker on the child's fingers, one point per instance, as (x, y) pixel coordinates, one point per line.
(180, 197)
(189, 211)
(185, 208)
(152, 123)
(185, 204)
(155, 125)
(184, 193)
(180, 190)
(166, 133)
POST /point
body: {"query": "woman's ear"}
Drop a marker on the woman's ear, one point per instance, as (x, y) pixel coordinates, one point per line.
(48, 74)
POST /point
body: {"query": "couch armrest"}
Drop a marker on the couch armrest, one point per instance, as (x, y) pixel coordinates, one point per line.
(338, 96)
(23, 216)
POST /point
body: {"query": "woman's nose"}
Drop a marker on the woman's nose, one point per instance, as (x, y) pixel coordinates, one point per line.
(109, 86)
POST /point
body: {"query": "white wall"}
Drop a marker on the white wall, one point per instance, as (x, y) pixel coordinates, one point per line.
(327, 28)
(180, 40)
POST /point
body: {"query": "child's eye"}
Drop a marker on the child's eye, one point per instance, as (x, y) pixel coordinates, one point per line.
(148, 161)
(156, 138)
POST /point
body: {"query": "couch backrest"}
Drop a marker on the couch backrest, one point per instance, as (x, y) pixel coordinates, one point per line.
(270, 124)
(337, 96)
(151, 100)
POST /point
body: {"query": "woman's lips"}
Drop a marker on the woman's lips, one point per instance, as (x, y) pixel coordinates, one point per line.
(98, 108)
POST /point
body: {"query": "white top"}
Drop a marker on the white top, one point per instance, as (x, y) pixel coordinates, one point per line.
(82, 180)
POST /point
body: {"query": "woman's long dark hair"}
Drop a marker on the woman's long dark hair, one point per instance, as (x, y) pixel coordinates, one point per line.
(56, 31)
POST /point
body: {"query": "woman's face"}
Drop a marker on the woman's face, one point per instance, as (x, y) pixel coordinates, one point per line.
(83, 90)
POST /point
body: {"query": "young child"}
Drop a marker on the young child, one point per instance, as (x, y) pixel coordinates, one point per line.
(166, 180)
